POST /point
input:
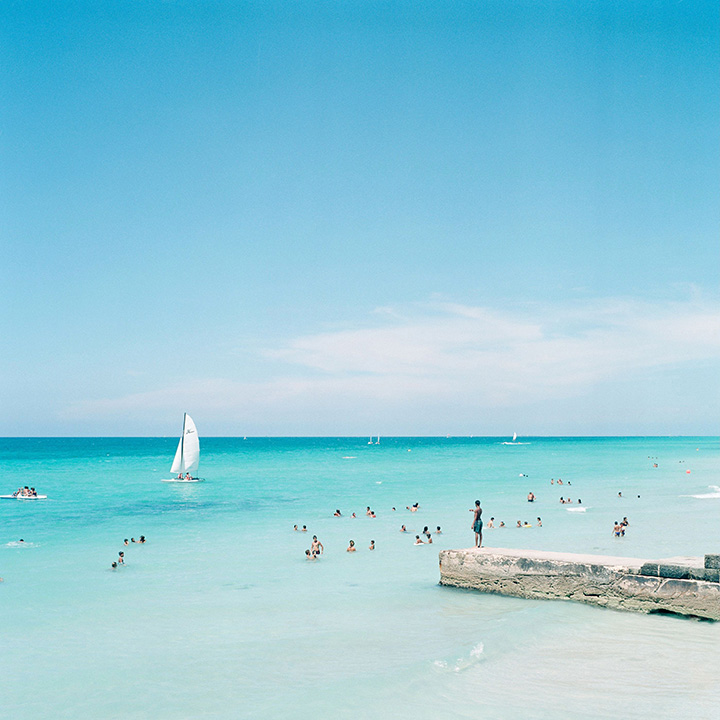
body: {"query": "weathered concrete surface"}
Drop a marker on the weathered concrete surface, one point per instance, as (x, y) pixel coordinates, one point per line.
(677, 585)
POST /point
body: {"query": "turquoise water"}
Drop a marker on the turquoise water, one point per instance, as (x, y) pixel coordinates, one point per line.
(220, 616)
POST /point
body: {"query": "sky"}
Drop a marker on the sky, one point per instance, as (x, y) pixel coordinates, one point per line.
(355, 218)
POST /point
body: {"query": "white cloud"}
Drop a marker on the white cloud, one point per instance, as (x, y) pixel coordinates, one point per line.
(447, 358)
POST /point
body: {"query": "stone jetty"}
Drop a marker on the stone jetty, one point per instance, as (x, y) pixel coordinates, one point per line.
(683, 586)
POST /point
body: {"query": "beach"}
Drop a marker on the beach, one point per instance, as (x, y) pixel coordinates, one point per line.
(220, 615)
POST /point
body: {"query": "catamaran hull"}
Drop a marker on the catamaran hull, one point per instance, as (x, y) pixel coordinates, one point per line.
(192, 480)
(23, 497)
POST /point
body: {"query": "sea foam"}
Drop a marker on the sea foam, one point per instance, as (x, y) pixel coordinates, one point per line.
(706, 496)
(462, 663)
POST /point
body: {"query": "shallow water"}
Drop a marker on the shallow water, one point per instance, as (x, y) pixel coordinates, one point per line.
(220, 616)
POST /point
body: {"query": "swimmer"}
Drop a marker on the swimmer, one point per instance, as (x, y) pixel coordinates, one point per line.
(337, 513)
(519, 524)
(625, 522)
(317, 546)
(425, 530)
(527, 524)
(531, 497)
(579, 501)
(121, 558)
(142, 540)
(126, 542)
(619, 494)
(403, 528)
(438, 531)
(552, 481)
(353, 515)
(372, 545)
(368, 512)
(539, 522)
(491, 524)
(296, 528)
(351, 547)
(617, 529)
(304, 528)
(502, 523)
(113, 566)
(393, 509)
(559, 482)
(429, 538)
(562, 499)
(133, 540)
(310, 556)
(372, 514)
(418, 541)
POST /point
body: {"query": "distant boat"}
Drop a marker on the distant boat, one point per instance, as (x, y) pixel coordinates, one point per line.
(187, 456)
(370, 441)
(514, 437)
(378, 440)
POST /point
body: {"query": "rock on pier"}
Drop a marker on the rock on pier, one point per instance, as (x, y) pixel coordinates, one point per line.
(684, 586)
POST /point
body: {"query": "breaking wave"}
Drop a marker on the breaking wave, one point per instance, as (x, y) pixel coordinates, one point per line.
(705, 496)
(462, 663)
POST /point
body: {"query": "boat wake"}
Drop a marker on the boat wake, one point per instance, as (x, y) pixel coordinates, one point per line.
(515, 443)
(707, 496)
(18, 544)
(463, 663)
(577, 509)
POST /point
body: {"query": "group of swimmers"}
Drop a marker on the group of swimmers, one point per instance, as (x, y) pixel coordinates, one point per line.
(316, 548)
(25, 492)
(121, 555)
(519, 524)
(371, 513)
(619, 529)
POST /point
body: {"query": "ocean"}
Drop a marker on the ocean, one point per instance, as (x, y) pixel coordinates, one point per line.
(219, 615)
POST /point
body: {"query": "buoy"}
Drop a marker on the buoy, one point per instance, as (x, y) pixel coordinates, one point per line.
(687, 471)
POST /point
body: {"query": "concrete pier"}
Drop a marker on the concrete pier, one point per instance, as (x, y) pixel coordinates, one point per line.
(684, 586)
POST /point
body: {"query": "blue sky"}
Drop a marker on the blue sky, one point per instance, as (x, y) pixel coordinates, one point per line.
(343, 218)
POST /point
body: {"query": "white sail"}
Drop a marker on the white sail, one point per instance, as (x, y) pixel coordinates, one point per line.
(177, 466)
(191, 451)
(514, 436)
(187, 456)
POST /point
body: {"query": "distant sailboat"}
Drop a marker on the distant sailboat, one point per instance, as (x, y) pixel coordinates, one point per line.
(370, 441)
(378, 440)
(514, 437)
(187, 456)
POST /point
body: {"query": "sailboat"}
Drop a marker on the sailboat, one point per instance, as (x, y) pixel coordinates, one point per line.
(514, 437)
(378, 440)
(370, 442)
(187, 456)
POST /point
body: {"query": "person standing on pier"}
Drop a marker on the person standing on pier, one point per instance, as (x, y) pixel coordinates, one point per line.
(477, 523)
